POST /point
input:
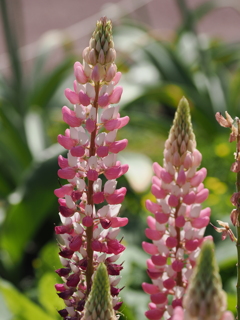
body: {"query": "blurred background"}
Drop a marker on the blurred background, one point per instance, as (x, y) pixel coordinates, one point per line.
(165, 49)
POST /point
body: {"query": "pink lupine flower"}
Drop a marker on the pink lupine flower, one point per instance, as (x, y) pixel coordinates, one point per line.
(178, 225)
(89, 234)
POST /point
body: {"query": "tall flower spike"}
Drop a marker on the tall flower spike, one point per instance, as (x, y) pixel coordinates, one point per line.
(205, 298)
(99, 303)
(178, 225)
(88, 235)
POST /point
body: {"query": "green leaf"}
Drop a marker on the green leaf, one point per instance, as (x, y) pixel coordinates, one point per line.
(47, 85)
(20, 307)
(25, 218)
(47, 294)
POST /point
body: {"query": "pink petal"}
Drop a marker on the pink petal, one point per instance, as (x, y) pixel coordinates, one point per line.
(149, 248)
(71, 120)
(173, 200)
(64, 190)
(84, 98)
(66, 142)
(198, 177)
(158, 298)
(118, 146)
(119, 222)
(149, 288)
(112, 172)
(78, 151)
(75, 243)
(158, 192)
(159, 260)
(117, 196)
(152, 207)
(90, 125)
(87, 221)
(92, 175)
(102, 151)
(200, 222)
(98, 197)
(177, 265)
(66, 173)
(162, 217)
(154, 314)
(189, 198)
(171, 242)
(180, 221)
(116, 95)
(103, 100)
(191, 245)
(202, 196)
(71, 96)
(62, 162)
(153, 234)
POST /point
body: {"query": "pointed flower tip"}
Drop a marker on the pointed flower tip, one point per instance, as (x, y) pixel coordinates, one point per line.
(181, 135)
(99, 302)
(205, 286)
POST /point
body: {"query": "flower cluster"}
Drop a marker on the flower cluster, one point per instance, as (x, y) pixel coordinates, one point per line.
(88, 234)
(204, 298)
(179, 222)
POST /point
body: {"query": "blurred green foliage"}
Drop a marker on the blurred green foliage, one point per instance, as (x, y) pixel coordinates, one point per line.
(156, 74)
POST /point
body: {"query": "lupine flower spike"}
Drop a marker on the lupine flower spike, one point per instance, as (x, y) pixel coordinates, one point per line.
(234, 125)
(99, 302)
(88, 234)
(205, 298)
(178, 224)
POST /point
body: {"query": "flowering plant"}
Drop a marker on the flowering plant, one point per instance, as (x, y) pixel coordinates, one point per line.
(88, 234)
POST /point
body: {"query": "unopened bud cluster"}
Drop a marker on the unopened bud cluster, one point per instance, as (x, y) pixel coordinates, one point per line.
(177, 226)
(204, 298)
(90, 201)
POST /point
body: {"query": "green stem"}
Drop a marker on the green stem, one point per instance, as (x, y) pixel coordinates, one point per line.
(89, 231)
(238, 225)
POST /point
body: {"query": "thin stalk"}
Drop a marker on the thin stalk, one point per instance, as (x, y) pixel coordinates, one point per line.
(238, 224)
(89, 231)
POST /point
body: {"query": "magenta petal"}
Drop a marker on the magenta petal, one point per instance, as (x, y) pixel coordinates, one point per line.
(90, 125)
(78, 151)
(115, 247)
(158, 298)
(112, 172)
(103, 100)
(111, 125)
(117, 222)
(72, 96)
(154, 314)
(153, 234)
(150, 288)
(102, 151)
(66, 173)
(61, 192)
(84, 98)
(118, 146)
(116, 95)
(149, 248)
(62, 162)
(92, 175)
(66, 142)
(98, 197)
(75, 243)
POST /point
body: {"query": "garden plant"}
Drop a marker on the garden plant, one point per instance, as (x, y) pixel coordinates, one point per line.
(119, 250)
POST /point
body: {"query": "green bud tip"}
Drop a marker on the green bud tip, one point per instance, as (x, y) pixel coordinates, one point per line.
(99, 303)
(205, 298)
